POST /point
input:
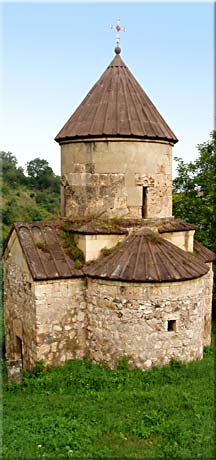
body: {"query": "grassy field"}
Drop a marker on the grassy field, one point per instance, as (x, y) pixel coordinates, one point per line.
(88, 411)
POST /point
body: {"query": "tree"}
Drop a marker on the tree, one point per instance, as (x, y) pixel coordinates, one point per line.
(194, 197)
(10, 171)
(8, 161)
(40, 173)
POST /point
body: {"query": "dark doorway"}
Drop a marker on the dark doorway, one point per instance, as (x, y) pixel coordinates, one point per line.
(19, 349)
(144, 202)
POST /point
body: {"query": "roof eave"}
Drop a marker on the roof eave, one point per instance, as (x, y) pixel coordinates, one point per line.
(90, 137)
(144, 281)
(74, 276)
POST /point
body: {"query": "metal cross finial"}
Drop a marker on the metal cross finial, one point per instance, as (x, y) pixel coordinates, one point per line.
(118, 29)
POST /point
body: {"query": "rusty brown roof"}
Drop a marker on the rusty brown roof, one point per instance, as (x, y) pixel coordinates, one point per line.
(44, 250)
(116, 106)
(146, 257)
(176, 226)
(142, 257)
(203, 253)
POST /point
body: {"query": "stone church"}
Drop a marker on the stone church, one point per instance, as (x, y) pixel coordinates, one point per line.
(117, 275)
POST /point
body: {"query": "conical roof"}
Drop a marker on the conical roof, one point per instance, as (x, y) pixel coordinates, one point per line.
(146, 257)
(116, 106)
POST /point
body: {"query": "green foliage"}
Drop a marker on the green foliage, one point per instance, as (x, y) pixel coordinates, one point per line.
(194, 197)
(72, 248)
(41, 175)
(84, 410)
(48, 201)
(41, 245)
(19, 201)
(2, 334)
(123, 364)
(36, 371)
(107, 251)
(175, 364)
(9, 212)
(10, 172)
(154, 237)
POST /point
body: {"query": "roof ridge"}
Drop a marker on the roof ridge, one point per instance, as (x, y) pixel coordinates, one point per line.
(126, 102)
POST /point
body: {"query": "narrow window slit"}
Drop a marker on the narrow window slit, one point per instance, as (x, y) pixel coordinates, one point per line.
(144, 202)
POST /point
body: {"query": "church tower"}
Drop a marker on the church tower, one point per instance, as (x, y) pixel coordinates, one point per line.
(129, 280)
(116, 152)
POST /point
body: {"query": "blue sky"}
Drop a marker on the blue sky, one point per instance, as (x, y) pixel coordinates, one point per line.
(53, 53)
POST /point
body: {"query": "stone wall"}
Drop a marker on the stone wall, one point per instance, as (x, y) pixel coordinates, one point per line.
(43, 320)
(208, 292)
(19, 308)
(149, 323)
(110, 177)
(61, 320)
(71, 318)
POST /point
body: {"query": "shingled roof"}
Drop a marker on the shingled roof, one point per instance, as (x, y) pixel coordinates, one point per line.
(146, 257)
(44, 250)
(116, 106)
(143, 257)
(203, 253)
(176, 226)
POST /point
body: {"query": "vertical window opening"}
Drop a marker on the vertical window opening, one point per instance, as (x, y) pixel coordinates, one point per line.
(144, 202)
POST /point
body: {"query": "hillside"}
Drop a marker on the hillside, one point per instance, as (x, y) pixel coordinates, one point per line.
(27, 197)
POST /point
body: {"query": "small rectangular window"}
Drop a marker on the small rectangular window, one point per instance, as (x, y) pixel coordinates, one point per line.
(171, 325)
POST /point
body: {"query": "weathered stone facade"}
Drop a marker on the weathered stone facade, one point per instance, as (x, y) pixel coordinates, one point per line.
(134, 320)
(43, 320)
(208, 290)
(116, 178)
(60, 320)
(19, 311)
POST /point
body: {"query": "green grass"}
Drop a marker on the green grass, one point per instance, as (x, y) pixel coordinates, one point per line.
(88, 411)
